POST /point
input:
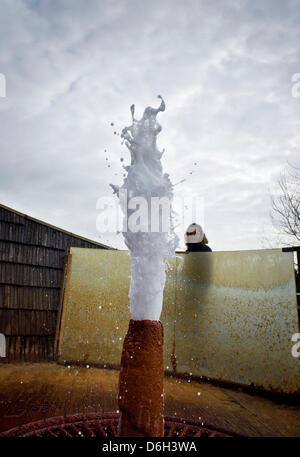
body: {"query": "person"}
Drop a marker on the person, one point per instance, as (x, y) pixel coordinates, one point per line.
(195, 239)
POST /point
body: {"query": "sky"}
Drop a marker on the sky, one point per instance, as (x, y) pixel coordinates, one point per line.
(224, 68)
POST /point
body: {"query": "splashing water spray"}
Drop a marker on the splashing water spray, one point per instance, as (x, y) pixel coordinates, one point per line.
(151, 243)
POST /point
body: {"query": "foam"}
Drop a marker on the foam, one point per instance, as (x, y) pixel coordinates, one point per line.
(149, 251)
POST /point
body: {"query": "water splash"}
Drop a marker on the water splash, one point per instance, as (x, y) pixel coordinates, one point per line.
(149, 250)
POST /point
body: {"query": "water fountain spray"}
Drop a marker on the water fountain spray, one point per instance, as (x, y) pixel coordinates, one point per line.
(146, 200)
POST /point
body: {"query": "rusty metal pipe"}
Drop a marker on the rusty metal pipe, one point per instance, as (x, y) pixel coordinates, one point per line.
(140, 396)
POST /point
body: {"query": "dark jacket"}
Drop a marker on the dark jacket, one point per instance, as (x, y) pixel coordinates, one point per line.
(197, 247)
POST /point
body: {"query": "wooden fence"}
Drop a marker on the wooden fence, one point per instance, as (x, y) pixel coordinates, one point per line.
(32, 257)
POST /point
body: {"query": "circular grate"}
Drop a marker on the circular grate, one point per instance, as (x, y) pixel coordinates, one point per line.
(106, 425)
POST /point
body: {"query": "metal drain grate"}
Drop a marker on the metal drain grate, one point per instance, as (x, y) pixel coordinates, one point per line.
(93, 425)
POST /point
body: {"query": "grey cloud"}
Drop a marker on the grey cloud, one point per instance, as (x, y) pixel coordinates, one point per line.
(224, 68)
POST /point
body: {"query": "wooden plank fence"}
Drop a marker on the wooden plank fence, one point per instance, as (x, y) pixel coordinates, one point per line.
(32, 256)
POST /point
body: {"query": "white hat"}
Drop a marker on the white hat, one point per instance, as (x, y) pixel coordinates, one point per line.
(194, 233)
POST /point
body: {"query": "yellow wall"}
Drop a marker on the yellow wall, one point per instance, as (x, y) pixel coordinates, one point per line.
(227, 315)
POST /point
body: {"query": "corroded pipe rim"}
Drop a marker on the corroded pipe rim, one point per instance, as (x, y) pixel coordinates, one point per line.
(105, 425)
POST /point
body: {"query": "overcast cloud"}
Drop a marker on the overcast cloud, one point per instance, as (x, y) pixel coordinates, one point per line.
(224, 69)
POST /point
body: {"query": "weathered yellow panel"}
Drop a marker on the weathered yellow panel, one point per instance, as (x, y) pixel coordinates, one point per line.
(168, 315)
(227, 315)
(96, 307)
(236, 314)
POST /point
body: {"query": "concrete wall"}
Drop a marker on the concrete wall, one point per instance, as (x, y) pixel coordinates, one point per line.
(227, 315)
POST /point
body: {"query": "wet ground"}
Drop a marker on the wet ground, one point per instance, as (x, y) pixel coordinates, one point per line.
(30, 392)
